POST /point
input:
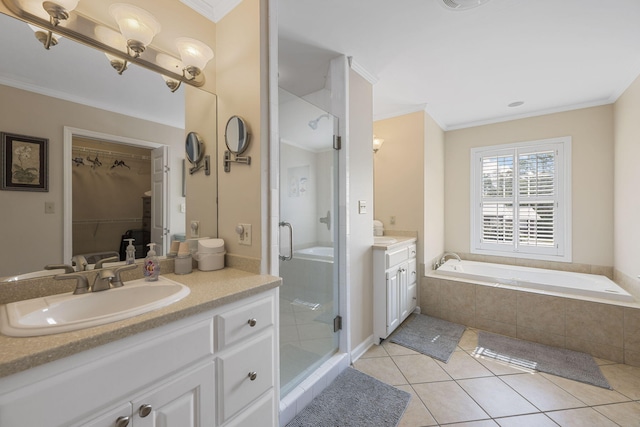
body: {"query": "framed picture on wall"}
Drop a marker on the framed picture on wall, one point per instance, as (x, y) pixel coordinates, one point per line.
(24, 162)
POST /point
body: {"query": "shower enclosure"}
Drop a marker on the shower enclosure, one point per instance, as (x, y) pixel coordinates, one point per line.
(309, 322)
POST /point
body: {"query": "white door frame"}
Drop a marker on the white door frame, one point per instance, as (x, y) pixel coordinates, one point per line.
(67, 222)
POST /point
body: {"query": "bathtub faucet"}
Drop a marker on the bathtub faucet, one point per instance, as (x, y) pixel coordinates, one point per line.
(444, 259)
(327, 220)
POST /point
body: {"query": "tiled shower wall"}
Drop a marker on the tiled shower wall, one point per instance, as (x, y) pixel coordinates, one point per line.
(607, 331)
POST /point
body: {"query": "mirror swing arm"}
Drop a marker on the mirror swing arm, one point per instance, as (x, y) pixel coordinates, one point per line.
(236, 159)
(236, 137)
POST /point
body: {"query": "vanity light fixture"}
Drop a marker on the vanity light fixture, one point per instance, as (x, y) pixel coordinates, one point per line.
(170, 64)
(116, 40)
(137, 26)
(47, 38)
(129, 43)
(194, 54)
(59, 10)
(377, 143)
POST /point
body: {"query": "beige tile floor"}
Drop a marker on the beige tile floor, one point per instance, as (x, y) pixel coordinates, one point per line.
(477, 392)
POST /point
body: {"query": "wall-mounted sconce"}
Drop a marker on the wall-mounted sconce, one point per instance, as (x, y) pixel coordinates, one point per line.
(236, 137)
(129, 43)
(377, 143)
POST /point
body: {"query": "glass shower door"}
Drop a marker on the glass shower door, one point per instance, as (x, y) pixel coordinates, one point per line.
(308, 240)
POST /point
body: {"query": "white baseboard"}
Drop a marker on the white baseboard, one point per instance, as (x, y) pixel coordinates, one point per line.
(357, 352)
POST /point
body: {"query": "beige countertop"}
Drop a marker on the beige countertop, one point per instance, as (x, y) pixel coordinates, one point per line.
(209, 290)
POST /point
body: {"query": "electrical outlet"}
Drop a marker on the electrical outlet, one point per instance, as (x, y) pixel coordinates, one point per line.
(49, 207)
(244, 234)
(195, 228)
(393, 220)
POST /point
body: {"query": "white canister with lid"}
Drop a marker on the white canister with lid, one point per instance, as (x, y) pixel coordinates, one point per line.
(210, 254)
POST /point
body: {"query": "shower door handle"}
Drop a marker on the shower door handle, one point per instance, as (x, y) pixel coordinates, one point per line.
(282, 257)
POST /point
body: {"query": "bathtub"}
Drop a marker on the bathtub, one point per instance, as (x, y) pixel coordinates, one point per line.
(577, 284)
(315, 253)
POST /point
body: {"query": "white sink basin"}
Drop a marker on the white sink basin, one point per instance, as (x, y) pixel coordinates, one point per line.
(383, 240)
(67, 312)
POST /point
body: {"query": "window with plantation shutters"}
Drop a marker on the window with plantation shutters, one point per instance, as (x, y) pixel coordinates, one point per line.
(521, 200)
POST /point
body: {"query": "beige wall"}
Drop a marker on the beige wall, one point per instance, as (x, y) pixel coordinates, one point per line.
(591, 130)
(626, 180)
(239, 89)
(399, 172)
(200, 117)
(409, 180)
(433, 241)
(360, 226)
(23, 223)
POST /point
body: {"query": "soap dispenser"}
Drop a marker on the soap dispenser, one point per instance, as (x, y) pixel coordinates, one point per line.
(131, 252)
(151, 264)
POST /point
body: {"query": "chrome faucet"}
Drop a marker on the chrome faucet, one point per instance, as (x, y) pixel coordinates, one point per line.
(102, 282)
(444, 259)
(105, 279)
(80, 262)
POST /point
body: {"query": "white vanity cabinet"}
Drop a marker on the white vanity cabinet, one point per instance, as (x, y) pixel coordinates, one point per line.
(215, 368)
(394, 286)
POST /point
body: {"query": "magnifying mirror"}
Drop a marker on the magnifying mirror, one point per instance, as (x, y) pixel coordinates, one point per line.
(194, 148)
(236, 137)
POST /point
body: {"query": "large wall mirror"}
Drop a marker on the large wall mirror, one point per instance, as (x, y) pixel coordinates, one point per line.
(68, 93)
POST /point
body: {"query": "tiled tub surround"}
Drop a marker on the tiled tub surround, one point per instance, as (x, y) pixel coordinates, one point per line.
(606, 330)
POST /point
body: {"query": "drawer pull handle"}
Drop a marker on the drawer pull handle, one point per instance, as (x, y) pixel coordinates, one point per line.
(122, 422)
(144, 410)
(252, 376)
(252, 322)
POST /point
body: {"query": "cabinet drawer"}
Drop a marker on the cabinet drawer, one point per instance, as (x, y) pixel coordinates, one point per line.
(396, 256)
(412, 296)
(412, 271)
(240, 323)
(261, 413)
(412, 251)
(237, 389)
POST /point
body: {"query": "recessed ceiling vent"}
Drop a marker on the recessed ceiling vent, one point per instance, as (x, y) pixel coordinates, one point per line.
(462, 4)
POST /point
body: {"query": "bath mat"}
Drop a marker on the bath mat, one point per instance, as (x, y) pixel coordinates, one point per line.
(354, 399)
(551, 360)
(434, 337)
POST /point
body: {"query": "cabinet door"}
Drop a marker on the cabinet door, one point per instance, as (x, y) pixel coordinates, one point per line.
(393, 307)
(120, 416)
(187, 401)
(403, 299)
